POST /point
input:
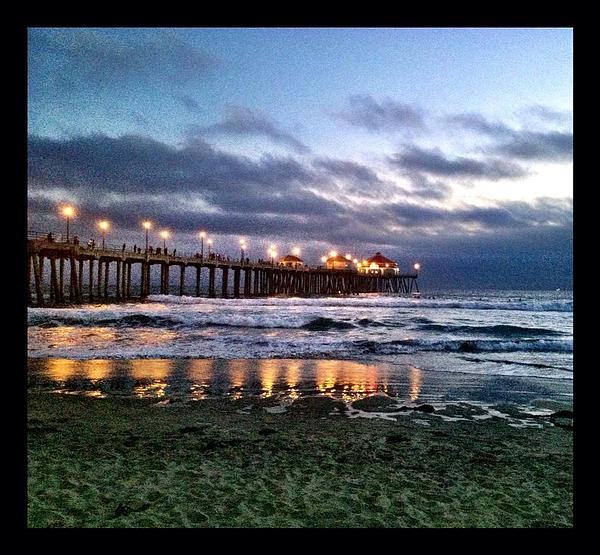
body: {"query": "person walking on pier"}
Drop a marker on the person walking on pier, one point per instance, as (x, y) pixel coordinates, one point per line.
(134, 247)
(50, 237)
(123, 248)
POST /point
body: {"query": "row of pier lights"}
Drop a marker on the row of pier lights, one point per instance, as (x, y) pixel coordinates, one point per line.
(104, 225)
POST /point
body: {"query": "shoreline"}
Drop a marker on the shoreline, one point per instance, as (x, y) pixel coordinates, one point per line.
(125, 462)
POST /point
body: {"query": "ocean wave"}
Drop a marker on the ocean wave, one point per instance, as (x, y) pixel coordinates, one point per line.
(322, 324)
(463, 346)
(374, 301)
(194, 320)
(501, 330)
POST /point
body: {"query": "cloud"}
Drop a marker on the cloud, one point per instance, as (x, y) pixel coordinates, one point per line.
(130, 177)
(188, 103)
(476, 122)
(546, 145)
(426, 188)
(242, 121)
(432, 161)
(551, 146)
(67, 60)
(547, 114)
(385, 115)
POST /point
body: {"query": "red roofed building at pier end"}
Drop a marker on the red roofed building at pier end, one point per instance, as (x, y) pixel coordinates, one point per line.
(378, 265)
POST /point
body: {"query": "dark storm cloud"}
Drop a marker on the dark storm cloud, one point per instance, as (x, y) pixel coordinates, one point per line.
(476, 122)
(347, 170)
(353, 178)
(553, 146)
(188, 103)
(72, 58)
(133, 163)
(426, 188)
(242, 121)
(547, 145)
(548, 114)
(432, 161)
(385, 115)
(132, 177)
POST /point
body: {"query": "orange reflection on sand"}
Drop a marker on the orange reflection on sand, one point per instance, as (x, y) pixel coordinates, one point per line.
(155, 369)
(61, 369)
(293, 378)
(416, 377)
(326, 372)
(238, 373)
(200, 373)
(97, 369)
(268, 371)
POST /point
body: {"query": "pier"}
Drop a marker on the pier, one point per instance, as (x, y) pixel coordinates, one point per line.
(80, 273)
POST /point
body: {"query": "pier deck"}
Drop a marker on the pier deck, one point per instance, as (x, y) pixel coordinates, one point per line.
(249, 278)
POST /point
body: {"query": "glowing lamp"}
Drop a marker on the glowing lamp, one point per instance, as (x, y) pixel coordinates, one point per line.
(333, 254)
(417, 266)
(103, 225)
(147, 225)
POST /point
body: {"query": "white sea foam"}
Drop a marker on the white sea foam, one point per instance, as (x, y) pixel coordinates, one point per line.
(360, 327)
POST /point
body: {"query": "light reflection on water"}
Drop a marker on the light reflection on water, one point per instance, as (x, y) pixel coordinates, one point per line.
(201, 378)
(195, 379)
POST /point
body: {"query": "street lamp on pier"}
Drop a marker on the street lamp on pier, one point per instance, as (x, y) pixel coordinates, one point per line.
(243, 247)
(147, 225)
(68, 213)
(165, 235)
(202, 236)
(103, 225)
(209, 242)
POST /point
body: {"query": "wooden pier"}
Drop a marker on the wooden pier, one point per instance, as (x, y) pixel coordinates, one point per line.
(87, 276)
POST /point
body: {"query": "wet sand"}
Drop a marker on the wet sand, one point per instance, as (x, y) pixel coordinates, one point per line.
(309, 462)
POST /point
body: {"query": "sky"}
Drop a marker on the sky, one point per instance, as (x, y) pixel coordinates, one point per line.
(448, 147)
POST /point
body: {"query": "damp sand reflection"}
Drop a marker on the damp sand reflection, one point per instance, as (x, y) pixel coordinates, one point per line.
(203, 378)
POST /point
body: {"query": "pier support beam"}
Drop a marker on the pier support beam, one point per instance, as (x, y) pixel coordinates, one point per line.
(211, 281)
(39, 286)
(224, 282)
(236, 282)
(91, 280)
(80, 279)
(54, 294)
(198, 269)
(181, 279)
(118, 280)
(73, 281)
(99, 282)
(123, 275)
(61, 280)
(106, 267)
(128, 287)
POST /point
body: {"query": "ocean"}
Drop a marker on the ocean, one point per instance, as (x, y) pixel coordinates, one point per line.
(511, 342)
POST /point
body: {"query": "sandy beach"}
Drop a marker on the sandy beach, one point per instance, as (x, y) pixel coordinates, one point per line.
(314, 462)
